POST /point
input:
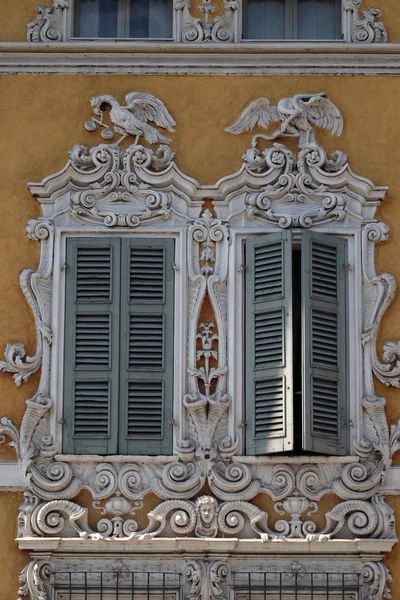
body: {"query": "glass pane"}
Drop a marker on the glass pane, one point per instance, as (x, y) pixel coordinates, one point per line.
(96, 18)
(319, 19)
(151, 19)
(264, 20)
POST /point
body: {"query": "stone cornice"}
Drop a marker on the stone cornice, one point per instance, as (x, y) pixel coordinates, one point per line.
(295, 546)
(244, 58)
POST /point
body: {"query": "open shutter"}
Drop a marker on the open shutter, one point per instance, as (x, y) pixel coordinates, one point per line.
(91, 346)
(324, 342)
(269, 364)
(147, 346)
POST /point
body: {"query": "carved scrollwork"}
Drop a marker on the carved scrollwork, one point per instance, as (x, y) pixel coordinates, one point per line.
(295, 196)
(373, 519)
(377, 579)
(207, 29)
(49, 24)
(34, 580)
(368, 28)
(179, 480)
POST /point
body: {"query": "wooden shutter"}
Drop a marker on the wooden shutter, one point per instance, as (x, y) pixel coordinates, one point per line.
(91, 346)
(269, 364)
(147, 346)
(324, 342)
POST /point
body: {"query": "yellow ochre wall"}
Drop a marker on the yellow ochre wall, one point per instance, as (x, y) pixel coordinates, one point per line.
(42, 117)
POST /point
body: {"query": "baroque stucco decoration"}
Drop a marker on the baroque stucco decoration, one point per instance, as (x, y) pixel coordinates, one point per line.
(53, 23)
(108, 188)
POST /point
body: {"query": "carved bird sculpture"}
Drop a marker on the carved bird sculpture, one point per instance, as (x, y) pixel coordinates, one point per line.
(133, 118)
(296, 115)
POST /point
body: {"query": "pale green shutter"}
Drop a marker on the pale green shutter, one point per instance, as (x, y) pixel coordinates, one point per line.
(269, 361)
(147, 346)
(324, 342)
(91, 346)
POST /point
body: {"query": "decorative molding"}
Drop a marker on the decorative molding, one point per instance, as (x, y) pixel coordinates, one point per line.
(206, 28)
(50, 23)
(54, 23)
(365, 29)
(205, 518)
(274, 58)
(34, 580)
(206, 579)
(377, 579)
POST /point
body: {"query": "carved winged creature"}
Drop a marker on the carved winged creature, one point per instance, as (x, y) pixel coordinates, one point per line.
(133, 118)
(296, 114)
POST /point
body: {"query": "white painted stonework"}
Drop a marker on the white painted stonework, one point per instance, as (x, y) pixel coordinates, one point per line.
(139, 191)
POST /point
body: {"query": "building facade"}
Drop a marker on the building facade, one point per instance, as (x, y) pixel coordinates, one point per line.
(199, 310)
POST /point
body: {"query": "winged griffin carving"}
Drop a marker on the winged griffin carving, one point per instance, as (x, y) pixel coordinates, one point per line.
(132, 119)
(297, 116)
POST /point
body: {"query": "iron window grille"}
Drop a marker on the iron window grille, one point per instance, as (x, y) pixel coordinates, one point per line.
(297, 586)
(119, 585)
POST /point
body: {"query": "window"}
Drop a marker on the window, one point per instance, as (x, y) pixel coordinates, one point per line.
(292, 20)
(295, 326)
(123, 19)
(118, 378)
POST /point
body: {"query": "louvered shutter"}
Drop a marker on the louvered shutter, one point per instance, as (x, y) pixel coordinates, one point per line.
(269, 364)
(324, 342)
(91, 346)
(147, 346)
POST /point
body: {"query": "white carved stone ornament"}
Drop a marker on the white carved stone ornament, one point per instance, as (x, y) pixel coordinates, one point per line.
(296, 114)
(53, 23)
(207, 28)
(206, 579)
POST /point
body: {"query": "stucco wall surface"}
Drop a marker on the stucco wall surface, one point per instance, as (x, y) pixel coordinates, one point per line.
(43, 117)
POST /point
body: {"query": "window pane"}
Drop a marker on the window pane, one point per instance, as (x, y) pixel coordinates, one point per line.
(318, 19)
(264, 20)
(151, 19)
(96, 18)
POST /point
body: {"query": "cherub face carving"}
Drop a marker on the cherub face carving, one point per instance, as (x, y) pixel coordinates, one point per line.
(206, 508)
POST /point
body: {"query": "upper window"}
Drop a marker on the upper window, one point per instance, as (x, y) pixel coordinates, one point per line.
(183, 21)
(292, 20)
(119, 332)
(123, 19)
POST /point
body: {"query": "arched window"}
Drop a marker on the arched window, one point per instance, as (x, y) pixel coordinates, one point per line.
(123, 19)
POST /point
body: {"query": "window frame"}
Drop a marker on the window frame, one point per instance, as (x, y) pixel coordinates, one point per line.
(236, 335)
(59, 323)
(123, 24)
(291, 25)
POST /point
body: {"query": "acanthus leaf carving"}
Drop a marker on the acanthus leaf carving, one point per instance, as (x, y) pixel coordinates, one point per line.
(34, 580)
(206, 579)
(377, 579)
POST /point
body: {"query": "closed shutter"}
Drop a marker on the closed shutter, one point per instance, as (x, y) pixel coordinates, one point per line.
(147, 346)
(324, 342)
(269, 361)
(91, 346)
